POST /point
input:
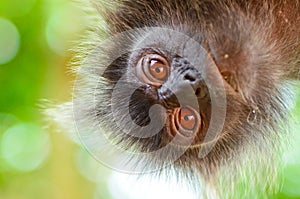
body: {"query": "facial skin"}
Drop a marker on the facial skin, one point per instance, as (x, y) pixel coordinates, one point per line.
(249, 52)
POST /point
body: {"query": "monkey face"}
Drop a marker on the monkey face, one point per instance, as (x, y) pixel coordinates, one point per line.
(169, 91)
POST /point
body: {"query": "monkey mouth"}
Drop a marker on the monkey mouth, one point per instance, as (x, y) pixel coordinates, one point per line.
(185, 123)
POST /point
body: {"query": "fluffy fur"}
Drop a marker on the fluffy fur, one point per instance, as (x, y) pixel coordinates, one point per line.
(258, 41)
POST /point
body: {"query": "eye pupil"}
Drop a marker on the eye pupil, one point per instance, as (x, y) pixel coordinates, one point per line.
(186, 118)
(158, 70)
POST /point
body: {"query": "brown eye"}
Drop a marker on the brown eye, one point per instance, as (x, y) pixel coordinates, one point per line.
(187, 119)
(158, 69)
(153, 69)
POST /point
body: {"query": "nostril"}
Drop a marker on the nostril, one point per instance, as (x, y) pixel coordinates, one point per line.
(198, 91)
(190, 78)
(201, 92)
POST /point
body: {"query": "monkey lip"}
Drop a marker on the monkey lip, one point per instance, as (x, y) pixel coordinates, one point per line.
(185, 122)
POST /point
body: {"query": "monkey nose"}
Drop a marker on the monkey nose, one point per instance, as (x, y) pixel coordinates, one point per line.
(187, 90)
(196, 81)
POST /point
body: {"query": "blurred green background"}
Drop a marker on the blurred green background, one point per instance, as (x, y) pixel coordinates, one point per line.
(38, 162)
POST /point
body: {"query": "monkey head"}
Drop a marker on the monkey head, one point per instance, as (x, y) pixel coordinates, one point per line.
(201, 86)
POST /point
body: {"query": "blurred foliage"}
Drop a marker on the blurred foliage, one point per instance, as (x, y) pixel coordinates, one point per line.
(35, 162)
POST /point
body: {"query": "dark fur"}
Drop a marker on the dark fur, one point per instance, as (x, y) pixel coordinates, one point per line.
(257, 41)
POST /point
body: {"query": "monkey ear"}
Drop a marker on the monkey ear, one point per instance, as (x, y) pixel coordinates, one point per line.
(61, 116)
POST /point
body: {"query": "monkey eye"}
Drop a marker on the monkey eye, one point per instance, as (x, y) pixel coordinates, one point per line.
(187, 118)
(153, 69)
(186, 121)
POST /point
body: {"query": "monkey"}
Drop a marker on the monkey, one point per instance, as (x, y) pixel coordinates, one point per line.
(200, 89)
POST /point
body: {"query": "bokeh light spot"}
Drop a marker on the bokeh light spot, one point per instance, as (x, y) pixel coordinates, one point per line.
(292, 155)
(25, 146)
(291, 181)
(9, 41)
(62, 25)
